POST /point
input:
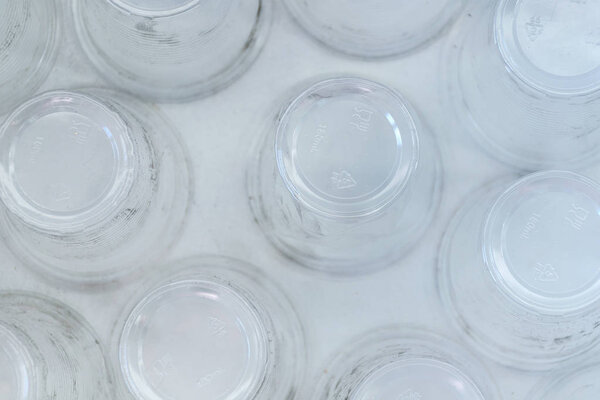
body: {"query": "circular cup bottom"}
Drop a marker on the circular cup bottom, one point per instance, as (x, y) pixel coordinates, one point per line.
(210, 327)
(192, 339)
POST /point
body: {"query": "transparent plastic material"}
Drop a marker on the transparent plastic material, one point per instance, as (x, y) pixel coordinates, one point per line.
(47, 351)
(524, 79)
(172, 50)
(519, 269)
(580, 384)
(345, 178)
(374, 28)
(93, 184)
(29, 35)
(393, 363)
(211, 328)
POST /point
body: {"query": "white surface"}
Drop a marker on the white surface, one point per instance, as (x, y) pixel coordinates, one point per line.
(218, 131)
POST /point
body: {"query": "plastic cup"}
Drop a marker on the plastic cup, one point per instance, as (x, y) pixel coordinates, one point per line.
(395, 363)
(47, 349)
(29, 34)
(346, 178)
(519, 273)
(94, 184)
(523, 79)
(213, 328)
(172, 50)
(577, 384)
(374, 28)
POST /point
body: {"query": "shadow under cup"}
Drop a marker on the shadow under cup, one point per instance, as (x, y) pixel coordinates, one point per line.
(519, 270)
(524, 78)
(93, 184)
(347, 178)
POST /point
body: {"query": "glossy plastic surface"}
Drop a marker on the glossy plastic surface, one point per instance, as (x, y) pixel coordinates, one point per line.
(518, 272)
(522, 79)
(347, 161)
(211, 328)
(93, 184)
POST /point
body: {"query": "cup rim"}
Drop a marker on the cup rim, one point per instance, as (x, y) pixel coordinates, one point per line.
(505, 38)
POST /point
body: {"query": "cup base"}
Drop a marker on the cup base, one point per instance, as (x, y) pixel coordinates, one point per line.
(346, 147)
(553, 46)
(534, 232)
(193, 339)
(69, 158)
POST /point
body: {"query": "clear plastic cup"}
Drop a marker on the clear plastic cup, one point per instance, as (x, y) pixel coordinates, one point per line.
(211, 328)
(519, 272)
(346, 178)
(93, 184)
(48, 351)
(524, 79)
(374, 28)
(29, 35)
(579, 384)
(395, 363)
(172, 50)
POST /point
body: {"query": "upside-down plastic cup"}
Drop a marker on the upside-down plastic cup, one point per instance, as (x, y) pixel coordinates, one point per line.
(47, 351)
(374, 28)
(581, 383)
(172, 50)
(93, 184)
(346, 178)
(29, 35)
(395, 363)
(212, 328)
(519, 272)
(524, 80)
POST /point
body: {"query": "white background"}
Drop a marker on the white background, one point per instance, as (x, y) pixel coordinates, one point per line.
(218, 131)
